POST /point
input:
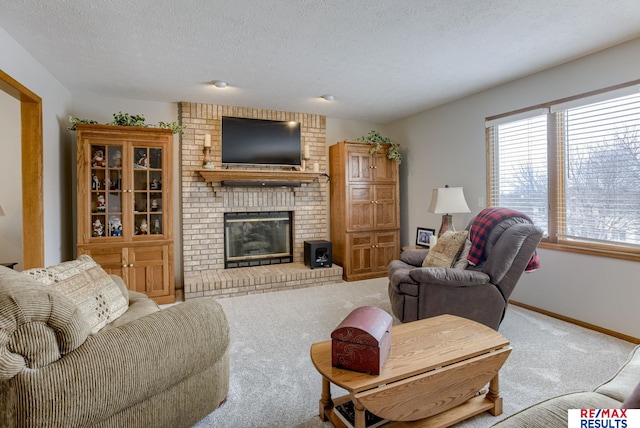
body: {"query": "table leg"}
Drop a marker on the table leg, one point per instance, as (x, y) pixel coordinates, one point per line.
(359, 417)
(326, 403)
(494, 395)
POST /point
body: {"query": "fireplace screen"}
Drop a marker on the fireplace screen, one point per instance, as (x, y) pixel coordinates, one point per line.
(255, 239)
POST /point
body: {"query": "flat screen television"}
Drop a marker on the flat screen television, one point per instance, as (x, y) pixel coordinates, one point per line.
(260, 142)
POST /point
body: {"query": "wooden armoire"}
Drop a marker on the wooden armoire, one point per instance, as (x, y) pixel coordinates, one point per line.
(365, 210)
(125, 214)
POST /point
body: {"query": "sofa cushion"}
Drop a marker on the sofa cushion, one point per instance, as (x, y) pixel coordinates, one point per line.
(88, 286)
(37, 324)
(446, 251)
(140, 305)
(621, 385)
(553, 413)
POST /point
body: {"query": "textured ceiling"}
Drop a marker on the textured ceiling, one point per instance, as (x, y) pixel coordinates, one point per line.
(383, 60)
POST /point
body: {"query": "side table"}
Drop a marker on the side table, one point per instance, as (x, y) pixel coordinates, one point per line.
(9, 265)
(433, 377)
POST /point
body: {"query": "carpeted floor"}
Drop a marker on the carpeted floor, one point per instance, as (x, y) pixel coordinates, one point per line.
(274, 384)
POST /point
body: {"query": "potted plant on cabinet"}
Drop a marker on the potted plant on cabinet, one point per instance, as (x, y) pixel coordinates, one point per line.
(377, 141)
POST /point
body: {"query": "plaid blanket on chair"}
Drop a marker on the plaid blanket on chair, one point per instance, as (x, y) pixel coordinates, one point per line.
(482, 225)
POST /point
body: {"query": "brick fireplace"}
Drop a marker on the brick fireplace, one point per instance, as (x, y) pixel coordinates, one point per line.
(205, 203)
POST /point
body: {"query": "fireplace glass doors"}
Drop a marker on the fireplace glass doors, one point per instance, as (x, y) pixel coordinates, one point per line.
(257, 238)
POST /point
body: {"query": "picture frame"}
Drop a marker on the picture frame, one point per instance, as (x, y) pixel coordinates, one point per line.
(423, 236)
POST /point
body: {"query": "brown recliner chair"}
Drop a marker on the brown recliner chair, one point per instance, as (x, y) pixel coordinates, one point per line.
(479, 292)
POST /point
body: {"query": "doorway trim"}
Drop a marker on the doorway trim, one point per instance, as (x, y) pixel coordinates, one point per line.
(32, 167)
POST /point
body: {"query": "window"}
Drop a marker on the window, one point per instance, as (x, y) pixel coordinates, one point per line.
(520, 170)
(574, 167)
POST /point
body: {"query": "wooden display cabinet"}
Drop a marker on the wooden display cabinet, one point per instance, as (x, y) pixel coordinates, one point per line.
(125, 215)
(365, 210)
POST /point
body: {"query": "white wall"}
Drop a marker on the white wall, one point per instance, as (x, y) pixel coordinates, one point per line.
(56, 99)
(446, 145)
(11, 177)
(340, 130)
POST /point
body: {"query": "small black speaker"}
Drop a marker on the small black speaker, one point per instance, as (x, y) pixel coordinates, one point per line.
(317, 253)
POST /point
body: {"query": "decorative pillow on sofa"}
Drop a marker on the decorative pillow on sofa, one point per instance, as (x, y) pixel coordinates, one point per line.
(462, 262)
(92, 290)
(446, 251)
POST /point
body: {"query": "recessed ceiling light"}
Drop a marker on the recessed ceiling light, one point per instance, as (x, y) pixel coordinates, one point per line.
(219, 83)
(328, 97)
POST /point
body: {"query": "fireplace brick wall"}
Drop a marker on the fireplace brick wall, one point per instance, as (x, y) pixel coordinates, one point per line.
(204, 204)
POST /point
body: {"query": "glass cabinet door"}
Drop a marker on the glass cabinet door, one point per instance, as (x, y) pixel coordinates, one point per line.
(106, 191)
(147, 191)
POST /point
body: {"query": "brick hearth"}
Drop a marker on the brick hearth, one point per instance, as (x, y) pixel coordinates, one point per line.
(260, 279)
(204, 204)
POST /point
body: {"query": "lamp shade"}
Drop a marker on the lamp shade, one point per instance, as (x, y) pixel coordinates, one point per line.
(448, 200)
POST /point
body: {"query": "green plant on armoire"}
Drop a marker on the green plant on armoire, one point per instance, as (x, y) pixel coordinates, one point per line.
(377, 141)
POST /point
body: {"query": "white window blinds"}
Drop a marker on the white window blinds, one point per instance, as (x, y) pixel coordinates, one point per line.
(601, 171)
(573, 168)
(519, 171)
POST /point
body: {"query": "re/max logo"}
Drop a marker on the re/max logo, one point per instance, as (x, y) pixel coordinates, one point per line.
(603, 413)
(603, 423)
(603, 418)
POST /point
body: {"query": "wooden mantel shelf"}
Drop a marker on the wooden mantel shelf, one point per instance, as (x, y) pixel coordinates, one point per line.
(218, 175)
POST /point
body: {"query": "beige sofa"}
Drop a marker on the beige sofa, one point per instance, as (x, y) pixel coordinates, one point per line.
(146, 368)
(621, 391)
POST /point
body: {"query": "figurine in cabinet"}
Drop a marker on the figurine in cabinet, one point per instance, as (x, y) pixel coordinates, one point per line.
(143, 161)
(98, 159)
(95, 182)
(101, 203)
(154, 205)
(115, 225)
(98, 228)
(156, 184)
(156, 227)
(117, 159)
(143, 230)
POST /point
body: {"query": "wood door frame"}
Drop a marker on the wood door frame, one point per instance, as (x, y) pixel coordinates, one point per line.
(32, 167)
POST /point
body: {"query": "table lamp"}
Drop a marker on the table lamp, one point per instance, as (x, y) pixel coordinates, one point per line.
(446, 201)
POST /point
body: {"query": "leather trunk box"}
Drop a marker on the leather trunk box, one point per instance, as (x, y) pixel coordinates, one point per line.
(362, 341)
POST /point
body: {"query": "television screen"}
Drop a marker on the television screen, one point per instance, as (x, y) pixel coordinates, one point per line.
(260, 142)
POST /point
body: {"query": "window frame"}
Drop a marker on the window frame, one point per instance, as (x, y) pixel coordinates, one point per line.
(555, 181)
